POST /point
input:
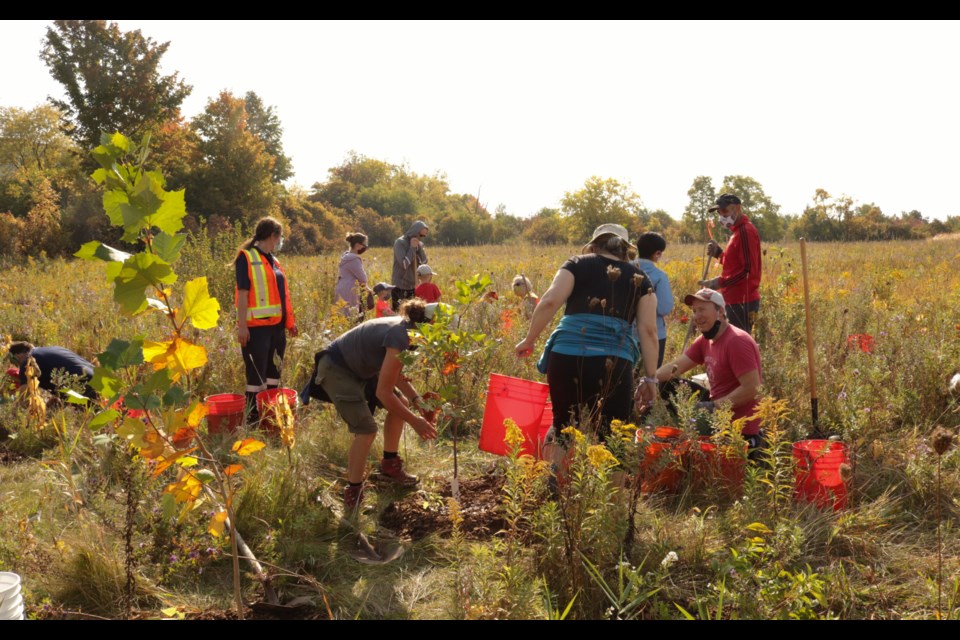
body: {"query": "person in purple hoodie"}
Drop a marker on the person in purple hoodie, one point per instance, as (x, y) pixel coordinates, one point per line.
(352, 278)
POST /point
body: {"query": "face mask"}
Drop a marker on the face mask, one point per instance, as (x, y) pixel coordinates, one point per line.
(361, 250)
(279, 245)
(711, 333)
(727, 221)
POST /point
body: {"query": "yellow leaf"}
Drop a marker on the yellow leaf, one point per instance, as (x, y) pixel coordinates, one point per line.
(217, 522)
(186, 489)
(164, 462)
(232, 469)
(177, 355)
(200, 410)
(759, 527)
(248, 446)
(202, 310)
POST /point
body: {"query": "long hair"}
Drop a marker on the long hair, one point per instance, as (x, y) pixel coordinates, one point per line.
(266, 227)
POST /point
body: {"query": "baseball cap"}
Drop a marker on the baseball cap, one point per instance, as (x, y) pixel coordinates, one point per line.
(615, 229)
(425, 270)
(707, 295)
(724, 201)
(381, 286)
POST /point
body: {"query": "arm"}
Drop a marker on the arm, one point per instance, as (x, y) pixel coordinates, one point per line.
(746, 392)
(676, 367)
(746, 259)
(664, 296)
(388, 380)
(243, 333)
(355, 269)
(401, 256)
(649, 346)
(555, 297)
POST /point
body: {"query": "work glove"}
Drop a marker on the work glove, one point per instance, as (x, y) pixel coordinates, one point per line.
(713, 249)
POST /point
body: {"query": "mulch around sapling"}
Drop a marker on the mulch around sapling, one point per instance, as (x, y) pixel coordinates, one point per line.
(423, 512)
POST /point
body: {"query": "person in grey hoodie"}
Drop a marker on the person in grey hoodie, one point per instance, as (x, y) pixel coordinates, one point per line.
(408, 254)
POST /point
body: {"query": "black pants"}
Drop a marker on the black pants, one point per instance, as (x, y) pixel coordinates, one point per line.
(588, 395)
(399, 295)
(262, 357)
(743, 315)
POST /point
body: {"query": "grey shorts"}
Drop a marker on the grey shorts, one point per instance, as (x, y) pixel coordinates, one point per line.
(348, 394)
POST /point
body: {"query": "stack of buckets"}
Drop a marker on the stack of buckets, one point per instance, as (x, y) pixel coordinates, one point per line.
(668, 455)
(225, 412)
(661, 468)
(818, 473)
(267, 406)
(11, 600)
(525, 402)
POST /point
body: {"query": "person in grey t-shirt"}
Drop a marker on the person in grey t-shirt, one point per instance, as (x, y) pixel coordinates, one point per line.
(364, 359)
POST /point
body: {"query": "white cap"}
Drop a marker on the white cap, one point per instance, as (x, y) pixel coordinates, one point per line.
(425, 270)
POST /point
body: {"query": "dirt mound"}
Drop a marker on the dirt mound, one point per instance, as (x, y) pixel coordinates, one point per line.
(422, 513)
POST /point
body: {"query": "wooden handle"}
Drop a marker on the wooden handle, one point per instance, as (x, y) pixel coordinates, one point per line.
(806, 308)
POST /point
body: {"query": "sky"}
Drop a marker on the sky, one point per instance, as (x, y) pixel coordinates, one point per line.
(522, 112)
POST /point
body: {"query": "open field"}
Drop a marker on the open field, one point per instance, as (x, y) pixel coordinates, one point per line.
(70, 497)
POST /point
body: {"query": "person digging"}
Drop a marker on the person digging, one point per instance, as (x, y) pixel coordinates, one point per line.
(360, 371)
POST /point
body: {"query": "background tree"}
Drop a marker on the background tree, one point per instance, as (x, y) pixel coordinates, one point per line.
(761, 209)
(546, 227)
(264, 123)
(693, 222)
(111, 78)
(234, 177)
(34, 152)
(598, 202)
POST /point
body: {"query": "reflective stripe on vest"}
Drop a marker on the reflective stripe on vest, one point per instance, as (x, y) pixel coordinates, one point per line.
(261, 292)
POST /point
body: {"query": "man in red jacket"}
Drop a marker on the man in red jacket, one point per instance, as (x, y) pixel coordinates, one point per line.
(740, 279)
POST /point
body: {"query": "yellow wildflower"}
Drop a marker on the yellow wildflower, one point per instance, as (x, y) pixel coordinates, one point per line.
(574, 433)
(514, 436)
(600, 457)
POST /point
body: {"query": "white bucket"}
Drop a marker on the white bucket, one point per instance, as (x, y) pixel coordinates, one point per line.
(702, 380)
(11, 600)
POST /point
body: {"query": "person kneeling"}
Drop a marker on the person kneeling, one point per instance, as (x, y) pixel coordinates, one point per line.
(731, 358)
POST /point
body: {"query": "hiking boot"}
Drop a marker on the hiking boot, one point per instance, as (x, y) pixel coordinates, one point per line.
(392, 469)
(352, 498)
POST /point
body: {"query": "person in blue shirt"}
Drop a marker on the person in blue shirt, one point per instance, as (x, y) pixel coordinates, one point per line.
(650, 248)
(48, 360)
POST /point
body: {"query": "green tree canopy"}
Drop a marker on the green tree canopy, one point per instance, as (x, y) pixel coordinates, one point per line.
(763, 212)
(599, 201)
(111, 78)
(693, 223)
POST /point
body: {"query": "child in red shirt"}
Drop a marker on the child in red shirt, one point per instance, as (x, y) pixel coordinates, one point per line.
(383, 305)
(426, 289)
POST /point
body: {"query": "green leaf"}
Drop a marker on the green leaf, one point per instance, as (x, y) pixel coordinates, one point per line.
(116, 204)
(205, 475)
(132, 430)
(159, 381)
(104, 417)
(168, 505)
(104, 382)
(76, 398)
(188, 461)
(175, 396)
(169, 217)
(118, 141)
(202, 310)
(94, 250)
(103, 440)
(120, 354)
(168, 246)
(139, 272)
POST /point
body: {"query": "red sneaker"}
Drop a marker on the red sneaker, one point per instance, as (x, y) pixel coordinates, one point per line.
(352, 498)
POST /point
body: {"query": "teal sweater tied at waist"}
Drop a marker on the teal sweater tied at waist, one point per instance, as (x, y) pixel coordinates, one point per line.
(588, 335)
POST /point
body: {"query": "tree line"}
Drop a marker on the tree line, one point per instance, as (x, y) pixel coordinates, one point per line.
(231, 162)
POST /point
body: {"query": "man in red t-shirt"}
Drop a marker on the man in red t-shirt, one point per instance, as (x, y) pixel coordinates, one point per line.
(741, 259)
(730, 355)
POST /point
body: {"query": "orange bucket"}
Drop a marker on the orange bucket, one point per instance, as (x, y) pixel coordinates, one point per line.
(525, 402)
(817, 477)
(267, 406)
(225, 412)
(661, 468)
(716, 467)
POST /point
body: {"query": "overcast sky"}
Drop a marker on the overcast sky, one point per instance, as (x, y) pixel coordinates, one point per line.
(523, 112)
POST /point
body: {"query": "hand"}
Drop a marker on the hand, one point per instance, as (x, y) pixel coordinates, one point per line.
(424, 429)
(243, 335)
(713, 249)
(524, 348)
(645, 396)
(415, 242)
(710, 284)
(294, 331)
